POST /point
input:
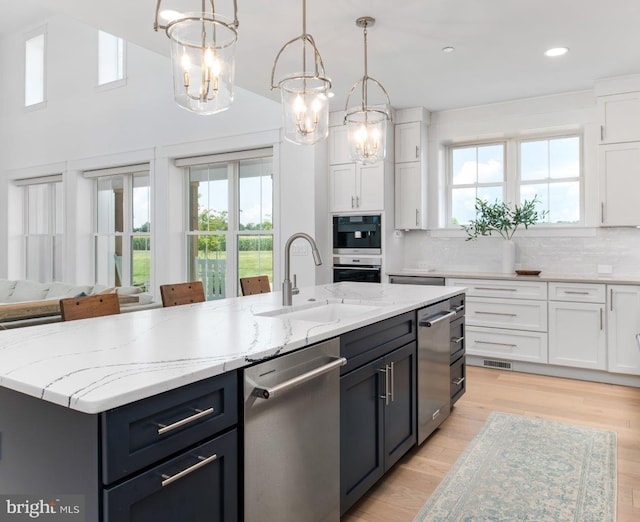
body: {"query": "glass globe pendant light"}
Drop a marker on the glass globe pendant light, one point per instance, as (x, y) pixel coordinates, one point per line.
(367, 124)
(304, 95)
(202, 57)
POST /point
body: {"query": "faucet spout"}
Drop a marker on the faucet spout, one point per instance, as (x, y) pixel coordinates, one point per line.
(287, 288)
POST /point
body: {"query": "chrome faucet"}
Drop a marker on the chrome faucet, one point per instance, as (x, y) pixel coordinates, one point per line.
(289, 290)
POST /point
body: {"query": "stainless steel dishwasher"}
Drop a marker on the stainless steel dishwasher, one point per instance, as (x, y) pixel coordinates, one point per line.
(292, 436)
(434, 372)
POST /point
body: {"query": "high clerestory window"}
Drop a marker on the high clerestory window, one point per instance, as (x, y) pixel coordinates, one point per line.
(35, 68)
(111, 58)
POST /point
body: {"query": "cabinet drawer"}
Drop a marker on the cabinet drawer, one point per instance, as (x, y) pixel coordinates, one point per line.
(366, 344)
(199, 484)
(507, 313)
(577, 292)
(458, 379)
(140, 434)
(503, 289)
(507, 344)
(456, 343)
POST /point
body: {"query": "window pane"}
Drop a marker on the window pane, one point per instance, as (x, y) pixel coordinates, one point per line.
(255, 256)
(38, 219)
(490, 163)
(490, 194)
(58, 208)
(141, 203)
(541, 190)
(564, 157)
(464, 166)
(141, 262)
(534, 160)
(463, 202)
(256, 195)
(110, 195)
(207, 263)
(39, 261)
(34, 70)
(108, 262)
(57, 258)
(110, 58)
(209, 189)
(564, 202)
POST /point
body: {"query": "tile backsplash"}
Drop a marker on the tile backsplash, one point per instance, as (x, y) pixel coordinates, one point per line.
(616, 247)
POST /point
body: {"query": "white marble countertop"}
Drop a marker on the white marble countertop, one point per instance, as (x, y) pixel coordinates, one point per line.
(543, 277)
(93, 365)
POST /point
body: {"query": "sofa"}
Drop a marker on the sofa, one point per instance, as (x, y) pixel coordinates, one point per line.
(25, 303)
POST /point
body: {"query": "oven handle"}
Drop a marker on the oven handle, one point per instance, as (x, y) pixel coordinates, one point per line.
(431, 320)
(356, 267)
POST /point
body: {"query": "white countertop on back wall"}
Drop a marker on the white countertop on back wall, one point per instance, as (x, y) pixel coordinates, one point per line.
(93, 365)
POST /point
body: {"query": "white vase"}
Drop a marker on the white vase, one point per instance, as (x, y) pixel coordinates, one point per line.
(508, 256)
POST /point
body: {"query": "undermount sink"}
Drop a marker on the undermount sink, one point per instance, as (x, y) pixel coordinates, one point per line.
(322, 312)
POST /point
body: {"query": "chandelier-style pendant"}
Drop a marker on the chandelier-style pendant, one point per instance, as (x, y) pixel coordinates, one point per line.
(367, 124)
(202, 57)
(304, 95)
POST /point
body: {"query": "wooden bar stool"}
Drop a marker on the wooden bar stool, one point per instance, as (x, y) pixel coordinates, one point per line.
(84, 307)
(255, 285)
(182, 293)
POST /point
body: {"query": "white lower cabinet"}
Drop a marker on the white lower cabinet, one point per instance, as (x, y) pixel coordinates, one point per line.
(623, 318)
(507, 344)
(577, 335)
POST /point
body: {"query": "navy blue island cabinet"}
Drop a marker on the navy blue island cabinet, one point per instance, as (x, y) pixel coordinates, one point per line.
(377, 403)
(173, 456)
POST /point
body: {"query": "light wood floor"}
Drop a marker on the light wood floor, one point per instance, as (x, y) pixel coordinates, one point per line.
(403, 491)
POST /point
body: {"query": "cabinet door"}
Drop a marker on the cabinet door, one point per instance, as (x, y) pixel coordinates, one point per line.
(623, 327)
(361, 432)
(343, 187)
(400, 410)
(410, 211)
(370, 183)
(339, 146)
(199, 484)
(620, 114)
(408, 143)
(620, 184)
(577, 335)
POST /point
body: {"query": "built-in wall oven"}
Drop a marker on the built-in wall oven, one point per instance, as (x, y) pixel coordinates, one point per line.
(357, 248)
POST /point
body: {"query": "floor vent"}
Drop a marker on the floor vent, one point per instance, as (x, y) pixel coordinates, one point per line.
(503, 365)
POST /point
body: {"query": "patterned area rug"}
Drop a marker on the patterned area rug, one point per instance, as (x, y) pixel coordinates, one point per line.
(529, 469)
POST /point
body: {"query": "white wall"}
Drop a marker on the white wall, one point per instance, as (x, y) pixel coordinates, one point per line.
(87, 127)
(549, 249)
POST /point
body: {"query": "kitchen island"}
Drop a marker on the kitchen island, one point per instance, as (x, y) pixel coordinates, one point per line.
(79, 383)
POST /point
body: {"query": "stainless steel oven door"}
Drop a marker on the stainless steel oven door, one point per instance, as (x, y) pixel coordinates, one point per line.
(363, 269)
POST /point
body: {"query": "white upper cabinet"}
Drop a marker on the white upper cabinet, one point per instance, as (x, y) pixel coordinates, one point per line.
(408, 142)
(356, 187)
(619, 167)
(339, 146)
(620, 117)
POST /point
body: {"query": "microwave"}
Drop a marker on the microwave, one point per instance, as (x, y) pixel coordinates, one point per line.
(357, 234)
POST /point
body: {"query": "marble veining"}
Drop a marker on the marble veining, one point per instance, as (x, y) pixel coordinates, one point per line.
(93, 365)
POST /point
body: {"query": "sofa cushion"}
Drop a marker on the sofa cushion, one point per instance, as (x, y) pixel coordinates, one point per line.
(28, 291)
(6, 289)
(128, 290)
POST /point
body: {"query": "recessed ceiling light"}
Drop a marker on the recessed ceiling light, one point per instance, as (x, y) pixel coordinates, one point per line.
(556, 51)
(448, 49)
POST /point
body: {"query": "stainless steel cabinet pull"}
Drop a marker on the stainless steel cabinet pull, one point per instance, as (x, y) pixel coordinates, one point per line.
(601, 212)
(435, 414)
(497, 344)
(358, 201)
(638, 340)
(496, 313)
(385, 395)
(601, 132)
(201, 413)
(458, 340)
(435, 318)
(417, 217)
(417, 151)
(203, 462)
(391, 379)
(611, 299)
(352, 201)
(575, 292)
(270, 393)
(601, 321)
(458, 381)
(457, 309)
(498, 289)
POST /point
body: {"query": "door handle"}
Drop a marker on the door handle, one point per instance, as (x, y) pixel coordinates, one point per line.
(203, 462)
(391, 380)
(385, 395)
(458, 381)
(457, 340)
(431, 320)
(163, 428)
(270, 393)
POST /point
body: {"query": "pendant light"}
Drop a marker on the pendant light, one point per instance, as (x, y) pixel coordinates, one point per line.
(304, 95)
(367, 124)
(202, 57)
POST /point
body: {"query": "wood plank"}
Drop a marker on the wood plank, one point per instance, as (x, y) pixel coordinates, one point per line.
(605, 406)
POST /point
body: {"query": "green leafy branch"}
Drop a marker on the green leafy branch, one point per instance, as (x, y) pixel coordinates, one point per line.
(501, 218)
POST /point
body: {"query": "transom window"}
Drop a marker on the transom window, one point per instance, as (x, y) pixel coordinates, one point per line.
(34, 69)
(110, 58)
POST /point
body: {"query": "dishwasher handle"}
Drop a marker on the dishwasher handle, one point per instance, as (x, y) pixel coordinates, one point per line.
(271, 392)
(434, 319)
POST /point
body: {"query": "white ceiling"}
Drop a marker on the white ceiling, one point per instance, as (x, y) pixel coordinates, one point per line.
(498, 55)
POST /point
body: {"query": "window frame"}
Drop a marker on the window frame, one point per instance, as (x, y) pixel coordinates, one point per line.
(40, 31)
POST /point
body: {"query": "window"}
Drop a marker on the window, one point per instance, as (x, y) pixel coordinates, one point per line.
(517, 170)
(477, 171)
(230, 220)
(550, 170)
(110, 58)
(123, 227)
(43, 228)
(34, 70)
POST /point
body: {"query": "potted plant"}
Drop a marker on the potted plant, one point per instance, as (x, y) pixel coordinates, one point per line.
(503, 219)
